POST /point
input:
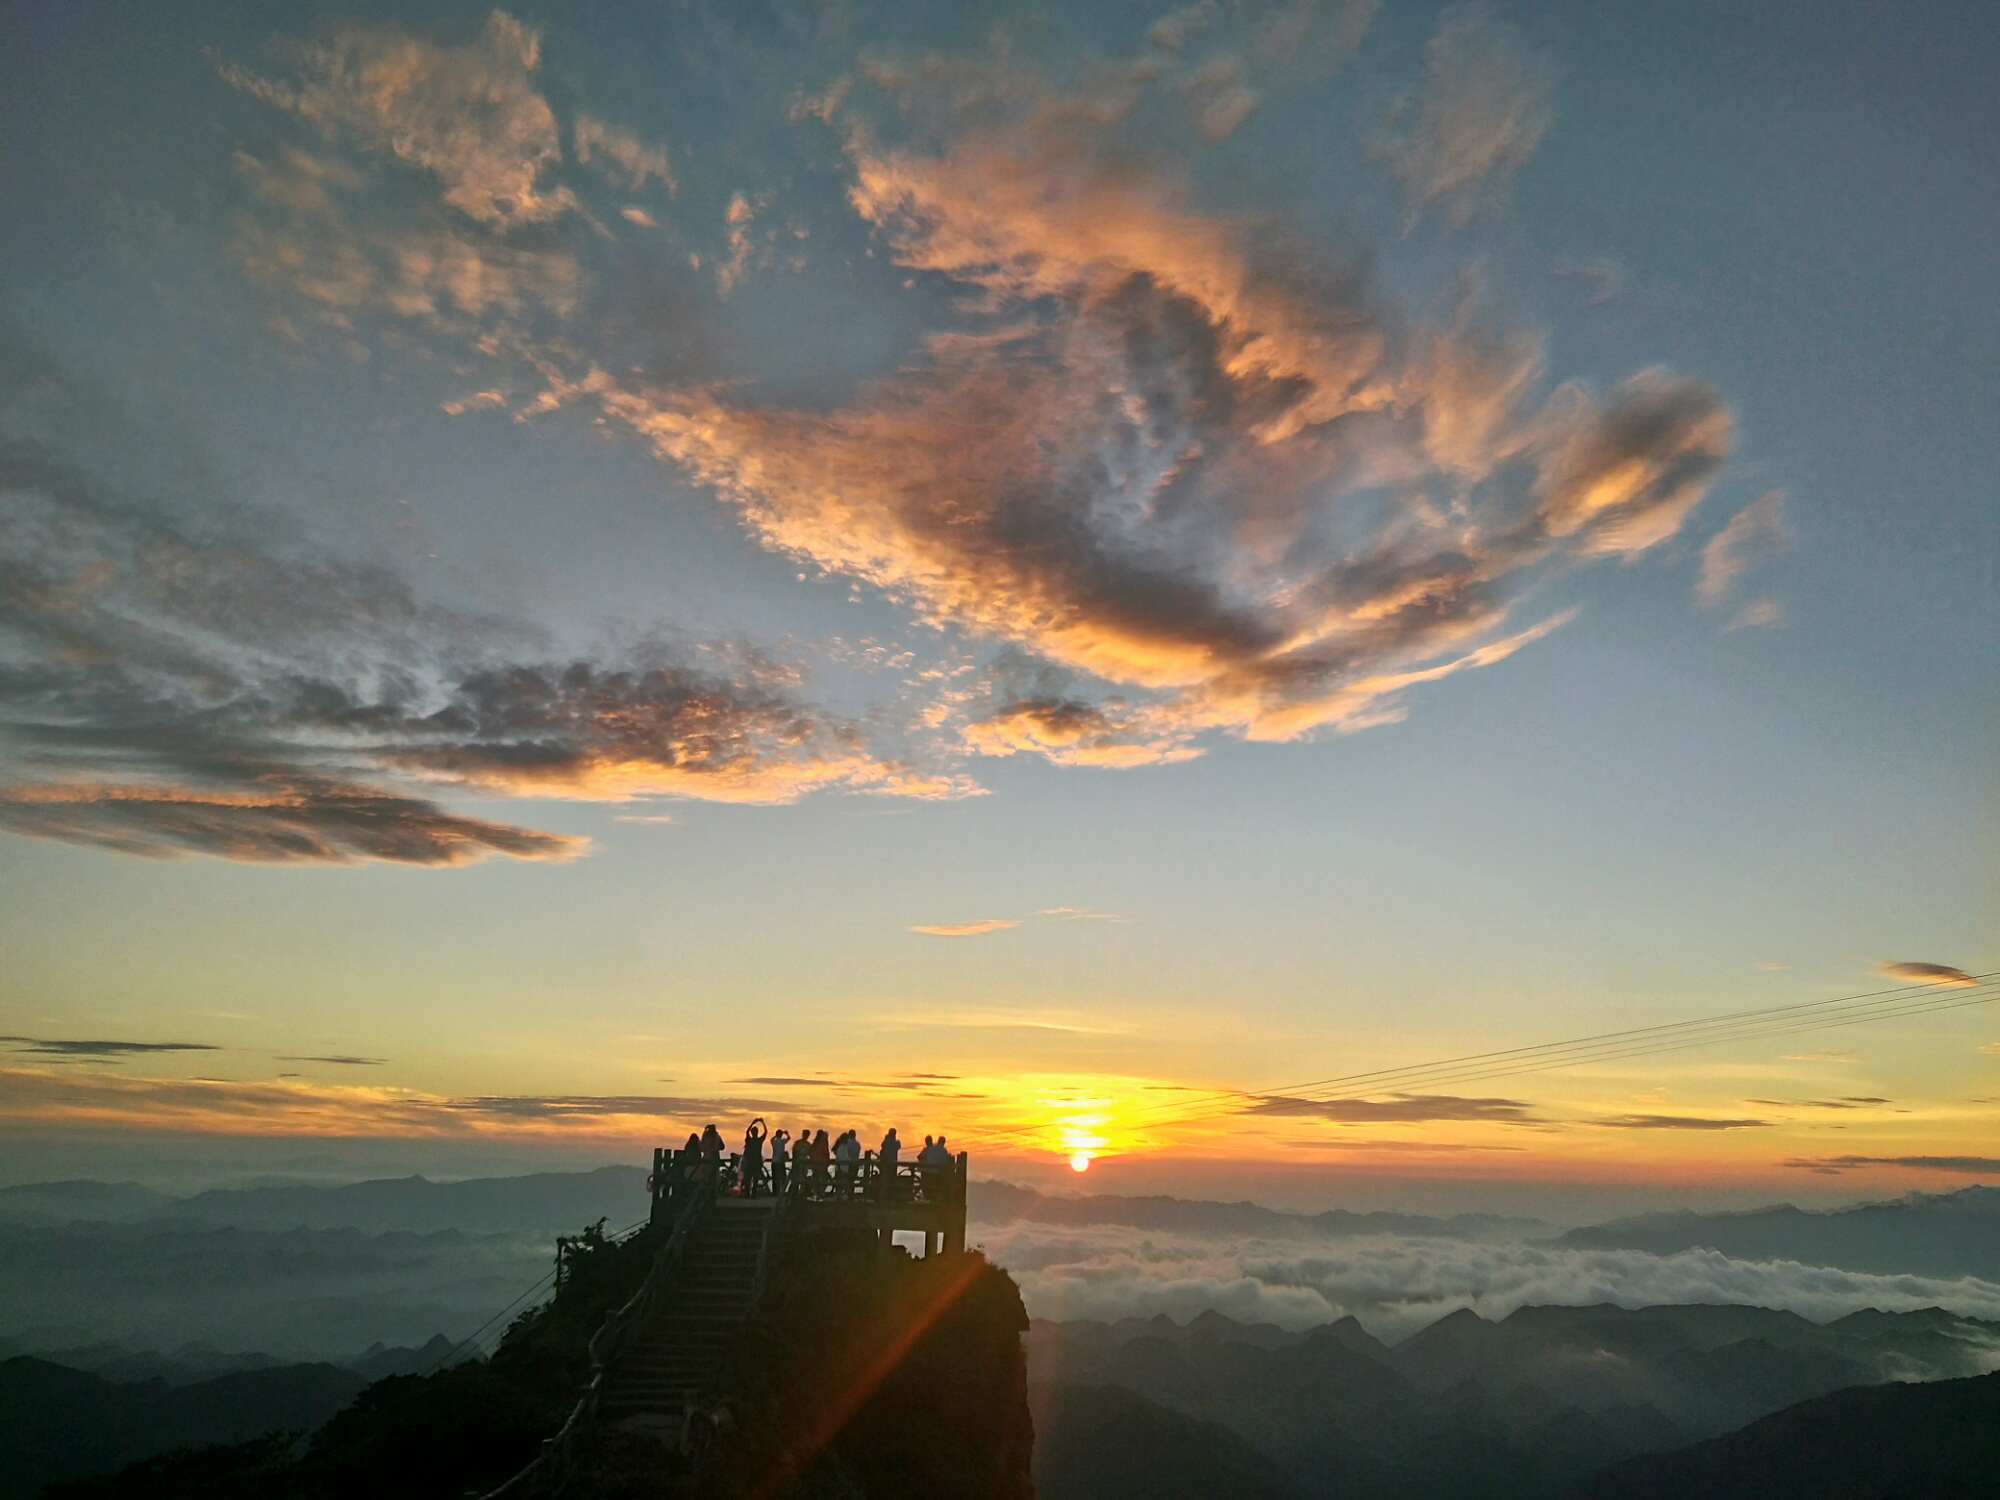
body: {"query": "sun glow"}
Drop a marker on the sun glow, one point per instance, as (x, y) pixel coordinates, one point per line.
(1079, 1129)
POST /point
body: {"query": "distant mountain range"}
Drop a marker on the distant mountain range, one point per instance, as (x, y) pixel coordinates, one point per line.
(1924, 1234)
(309, 1272)
(1520, 1409)
(999, 1202)
(1948, 1234)
(537, 1203)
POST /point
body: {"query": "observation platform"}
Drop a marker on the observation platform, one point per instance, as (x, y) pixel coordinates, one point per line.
(866, 1196)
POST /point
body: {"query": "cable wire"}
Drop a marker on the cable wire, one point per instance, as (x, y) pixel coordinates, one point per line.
(1793, 1019)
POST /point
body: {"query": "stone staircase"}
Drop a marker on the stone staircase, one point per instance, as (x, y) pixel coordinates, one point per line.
(671, 1360)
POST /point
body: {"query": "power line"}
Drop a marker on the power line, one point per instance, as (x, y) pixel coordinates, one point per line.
(1804, 1016)
(450, 1355)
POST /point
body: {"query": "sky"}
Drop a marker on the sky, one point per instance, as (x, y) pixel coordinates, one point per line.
(1050, 574)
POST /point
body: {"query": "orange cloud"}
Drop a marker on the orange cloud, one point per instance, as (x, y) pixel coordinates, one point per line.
(1923, 973)
(621, 156)
(1137, 464)
(468, 115)
(969, 929)
(1178, 455)
(296, 1107)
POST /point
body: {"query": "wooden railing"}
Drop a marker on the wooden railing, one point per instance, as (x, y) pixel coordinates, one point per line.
(868, 1180)
(549, 1471)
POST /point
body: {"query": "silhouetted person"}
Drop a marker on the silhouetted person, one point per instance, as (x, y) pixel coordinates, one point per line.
(822, 1155)
(780, 1160)
(885, 1165)
(711, 1154)
(801, 1172)
(847, 1158)
(933, 1164)
(753, 1156)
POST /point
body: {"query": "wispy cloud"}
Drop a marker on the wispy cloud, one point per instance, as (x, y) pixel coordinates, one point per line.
(44, 1096)
(94, 1048)
(598, 1106)
(968, 929)
(1487, 101)
(184, 678)
(622, 157)
(339, 1060)
(1858, 1101)
(470, 115)
(993, 1020)
(782, 1082)
(1679, 1122)
(1002, 924)
(1979, 1166)
(1924, 973)
(1753, 534)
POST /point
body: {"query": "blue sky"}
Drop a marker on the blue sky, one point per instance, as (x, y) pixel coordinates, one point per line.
(1030, 451)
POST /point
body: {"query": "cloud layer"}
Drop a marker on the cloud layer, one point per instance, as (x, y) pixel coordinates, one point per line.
(1397, 1284)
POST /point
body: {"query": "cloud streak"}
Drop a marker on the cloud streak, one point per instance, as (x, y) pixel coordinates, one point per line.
(180, 678)
(1977, 1166)
(1752, 534)
(968, 929)
(340, 1061)
(1487, 101)
(1943, 975)
(48, 1048)
(43, 1097)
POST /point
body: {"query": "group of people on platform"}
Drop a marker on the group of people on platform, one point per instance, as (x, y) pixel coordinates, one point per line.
(808, 1164)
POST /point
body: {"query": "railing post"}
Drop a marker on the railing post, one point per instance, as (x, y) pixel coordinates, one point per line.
(954, 1234)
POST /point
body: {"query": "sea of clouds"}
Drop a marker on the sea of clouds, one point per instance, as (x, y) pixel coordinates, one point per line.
(1397, 1284)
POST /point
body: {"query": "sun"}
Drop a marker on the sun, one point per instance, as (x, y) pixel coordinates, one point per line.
(1080, 1162)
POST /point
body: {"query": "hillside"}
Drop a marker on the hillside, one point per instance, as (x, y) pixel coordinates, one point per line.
(59, 1423)
(1105, 1443)
(1892, 1442)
